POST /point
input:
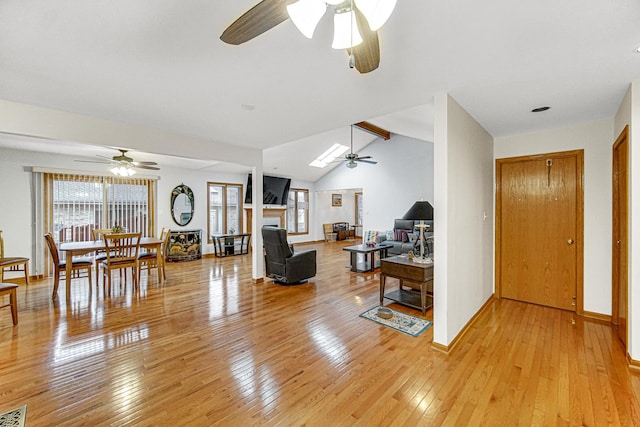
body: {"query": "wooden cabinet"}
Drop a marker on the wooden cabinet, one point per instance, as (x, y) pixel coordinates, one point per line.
(184, 245)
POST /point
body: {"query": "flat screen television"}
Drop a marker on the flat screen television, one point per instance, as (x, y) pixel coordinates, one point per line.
(275, 190)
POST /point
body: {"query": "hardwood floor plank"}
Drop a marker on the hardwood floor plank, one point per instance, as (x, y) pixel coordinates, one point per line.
(208, 346)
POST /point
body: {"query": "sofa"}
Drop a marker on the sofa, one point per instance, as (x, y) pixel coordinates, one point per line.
(404, 237)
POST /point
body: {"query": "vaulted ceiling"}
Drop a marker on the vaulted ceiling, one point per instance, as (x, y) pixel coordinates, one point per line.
(161, 64)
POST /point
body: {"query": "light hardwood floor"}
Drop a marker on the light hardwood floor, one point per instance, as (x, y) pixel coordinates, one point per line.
(211, 347)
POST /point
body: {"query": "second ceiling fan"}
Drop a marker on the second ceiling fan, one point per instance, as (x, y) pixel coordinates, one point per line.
(352, 158)
(355, 24)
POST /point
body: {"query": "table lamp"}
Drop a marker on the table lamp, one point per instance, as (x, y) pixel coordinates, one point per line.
(420, 211)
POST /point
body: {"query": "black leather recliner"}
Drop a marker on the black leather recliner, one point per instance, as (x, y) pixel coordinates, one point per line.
(281, 263)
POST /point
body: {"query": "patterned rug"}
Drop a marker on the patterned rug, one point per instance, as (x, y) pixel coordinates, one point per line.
(405, 323)
(14, 418)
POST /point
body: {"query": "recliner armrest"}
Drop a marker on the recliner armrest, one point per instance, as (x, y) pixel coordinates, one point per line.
(301, 266)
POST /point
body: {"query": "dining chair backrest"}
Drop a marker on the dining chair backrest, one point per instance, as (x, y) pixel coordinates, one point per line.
(166, 233)
(122, 248)
(1, 245)
(98, 233)
(53, 249)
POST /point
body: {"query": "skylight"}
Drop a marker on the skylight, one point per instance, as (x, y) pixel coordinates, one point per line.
(329, 156)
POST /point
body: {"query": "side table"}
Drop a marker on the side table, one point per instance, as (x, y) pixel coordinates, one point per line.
(414, 275)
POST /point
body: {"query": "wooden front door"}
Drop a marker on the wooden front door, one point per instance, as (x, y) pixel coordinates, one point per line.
(539, 229)
(620, 234)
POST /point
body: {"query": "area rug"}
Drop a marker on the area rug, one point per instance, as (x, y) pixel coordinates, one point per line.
(14, 418)
(402, 322)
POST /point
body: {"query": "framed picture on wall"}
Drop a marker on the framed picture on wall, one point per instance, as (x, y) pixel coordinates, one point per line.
(336, 200)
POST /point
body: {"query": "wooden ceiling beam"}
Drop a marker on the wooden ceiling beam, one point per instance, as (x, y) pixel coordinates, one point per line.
(375, 130)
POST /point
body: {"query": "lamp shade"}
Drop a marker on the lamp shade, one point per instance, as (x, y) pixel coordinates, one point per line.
(345, 30)
(376, 11)
(306, 14)
(421, 210)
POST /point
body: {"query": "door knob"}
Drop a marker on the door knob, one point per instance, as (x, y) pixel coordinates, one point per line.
(570, 241)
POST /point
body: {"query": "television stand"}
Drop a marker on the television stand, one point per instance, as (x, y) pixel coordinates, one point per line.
(231, 244)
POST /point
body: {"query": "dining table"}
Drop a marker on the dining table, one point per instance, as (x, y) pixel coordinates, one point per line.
(72, 249)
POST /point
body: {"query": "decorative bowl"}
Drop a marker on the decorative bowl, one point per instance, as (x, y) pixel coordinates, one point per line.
(385, 313)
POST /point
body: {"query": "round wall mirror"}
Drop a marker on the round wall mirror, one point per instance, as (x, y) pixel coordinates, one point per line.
(182, 204)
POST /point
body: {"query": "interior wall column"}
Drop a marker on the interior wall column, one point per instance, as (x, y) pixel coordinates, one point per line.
(257, 259)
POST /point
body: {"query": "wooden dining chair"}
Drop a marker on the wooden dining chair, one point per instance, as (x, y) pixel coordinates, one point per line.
(149, 260)
(122, 253)
(12, 263)
(10, 290)
(60, 264)
(100, 256)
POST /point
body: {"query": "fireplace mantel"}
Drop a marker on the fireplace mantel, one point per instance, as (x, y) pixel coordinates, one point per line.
(279, 213)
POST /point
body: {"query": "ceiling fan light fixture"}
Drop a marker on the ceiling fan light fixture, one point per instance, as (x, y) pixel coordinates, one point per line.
(306, 14)
(122, 170)
(345, 30)
(351, 164)
(377, 12)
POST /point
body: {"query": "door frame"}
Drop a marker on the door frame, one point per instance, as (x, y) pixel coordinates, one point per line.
(579, 155)
(615, 255)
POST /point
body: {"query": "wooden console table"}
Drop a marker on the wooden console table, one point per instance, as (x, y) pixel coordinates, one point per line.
(231, 244)
(416, 276)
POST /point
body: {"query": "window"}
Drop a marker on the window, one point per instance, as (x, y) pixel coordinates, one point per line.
(298, 211)
(225, 208)
(77, 204)
(359, 214)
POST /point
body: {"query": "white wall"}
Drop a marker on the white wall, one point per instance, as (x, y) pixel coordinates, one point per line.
(596, 138)
(463, 210)
(16, 213)
(404, 174)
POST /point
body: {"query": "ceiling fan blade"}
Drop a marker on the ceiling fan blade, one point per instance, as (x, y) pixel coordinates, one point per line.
(260, 18)
(364, 157)
(108, 162)
(373, 162)
(137, 164)
(153, 168)
(367, 53)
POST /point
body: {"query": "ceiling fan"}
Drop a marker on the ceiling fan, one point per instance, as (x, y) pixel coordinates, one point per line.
(355, 24)
(123, 164)
(352, 158)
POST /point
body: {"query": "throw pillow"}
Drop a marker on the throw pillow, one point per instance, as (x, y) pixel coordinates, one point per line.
(412, 237)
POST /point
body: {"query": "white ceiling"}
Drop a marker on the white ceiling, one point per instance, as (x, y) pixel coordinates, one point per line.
(160, 63)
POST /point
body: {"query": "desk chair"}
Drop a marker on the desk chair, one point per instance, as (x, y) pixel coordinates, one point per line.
(12, 263)
(60, 265)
